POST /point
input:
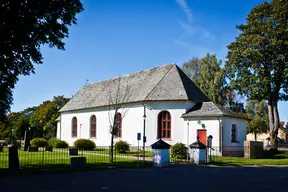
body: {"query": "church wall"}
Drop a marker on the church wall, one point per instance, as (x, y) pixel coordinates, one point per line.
(211, 126)
(234, 148)
(132, 123)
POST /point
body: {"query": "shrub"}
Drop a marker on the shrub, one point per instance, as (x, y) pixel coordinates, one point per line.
(122, 146)
(85, 144)
(57, 143)
(179, 151)
(39, 142)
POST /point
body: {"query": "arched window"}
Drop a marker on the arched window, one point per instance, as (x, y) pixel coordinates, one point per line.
(93, 126)
(74, 127)
(233, 133)
(164, 125)
(119, 125)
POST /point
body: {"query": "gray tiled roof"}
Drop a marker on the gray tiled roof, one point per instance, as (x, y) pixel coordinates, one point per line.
(167, 82)
(210, 109)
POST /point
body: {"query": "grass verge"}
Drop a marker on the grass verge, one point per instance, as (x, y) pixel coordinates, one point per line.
(280, 158)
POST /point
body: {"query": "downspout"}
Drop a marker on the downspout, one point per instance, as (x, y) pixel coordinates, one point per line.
(220, 135)
(144, 130)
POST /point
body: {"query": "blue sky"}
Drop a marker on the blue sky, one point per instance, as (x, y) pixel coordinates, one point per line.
(117, 37)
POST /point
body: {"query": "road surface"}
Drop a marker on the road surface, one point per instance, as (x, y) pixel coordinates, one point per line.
(177, 178)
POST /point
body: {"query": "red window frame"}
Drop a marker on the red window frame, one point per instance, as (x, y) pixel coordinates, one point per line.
(93, 121)
(164, 125)
(74, 127)
(119, 125)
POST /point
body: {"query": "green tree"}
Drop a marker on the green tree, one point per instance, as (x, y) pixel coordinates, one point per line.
(43, 119)
(18, 121)
(192, 69)
(258, 112)
(258, 59)
(208, 75)
(11, 123)
(4, 131)
(235, 102)
(23, 122)
(25, 26)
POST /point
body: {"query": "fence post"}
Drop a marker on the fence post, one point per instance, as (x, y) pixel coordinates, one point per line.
(115, 154)
(43, 157)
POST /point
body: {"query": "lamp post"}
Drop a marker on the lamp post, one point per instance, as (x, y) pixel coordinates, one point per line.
(144, 130)
(80, 131)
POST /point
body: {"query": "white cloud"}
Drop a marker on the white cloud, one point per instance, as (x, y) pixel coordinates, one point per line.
(186, 9)
(192, 30)
(195, 38)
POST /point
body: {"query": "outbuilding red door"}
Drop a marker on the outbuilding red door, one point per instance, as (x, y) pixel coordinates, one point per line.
(202, 133)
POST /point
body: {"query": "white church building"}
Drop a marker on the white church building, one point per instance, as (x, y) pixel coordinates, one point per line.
(165, 100)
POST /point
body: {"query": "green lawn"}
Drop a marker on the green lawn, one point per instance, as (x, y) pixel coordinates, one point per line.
(280, 158)
(60, 157)
(129, 153)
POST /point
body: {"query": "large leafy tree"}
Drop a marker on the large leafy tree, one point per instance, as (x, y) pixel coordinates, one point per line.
(23, 123)
(25, 25)
(18, 121)
(4, 131)
(258, 59)
(258, 113)
(9, 124)
(43, 119)
(208, 75)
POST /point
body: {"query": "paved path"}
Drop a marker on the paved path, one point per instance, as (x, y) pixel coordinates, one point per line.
(123, 156)
(175, 179)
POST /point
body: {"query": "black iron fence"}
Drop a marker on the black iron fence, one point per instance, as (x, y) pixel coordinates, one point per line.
(39, 158)
(58, 159)
(4, 164)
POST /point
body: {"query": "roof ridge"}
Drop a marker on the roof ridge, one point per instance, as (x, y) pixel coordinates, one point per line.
(182, 83)
(130, 74)
(188, 83)
(159, 81)
(217, 106)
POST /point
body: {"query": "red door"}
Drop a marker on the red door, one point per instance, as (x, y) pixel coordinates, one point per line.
(202, 133)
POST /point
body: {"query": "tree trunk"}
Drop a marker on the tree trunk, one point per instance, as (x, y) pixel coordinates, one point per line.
(271, 125)
(111, 149)
(255, 136)
(276, 124)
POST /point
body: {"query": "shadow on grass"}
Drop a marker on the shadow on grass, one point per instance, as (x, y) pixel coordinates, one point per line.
(275, 155)
(64, 168)
(220, 164)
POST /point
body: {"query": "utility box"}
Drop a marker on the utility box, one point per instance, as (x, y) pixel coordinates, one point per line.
(161, 153)
(198, 152)
(253, 149)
